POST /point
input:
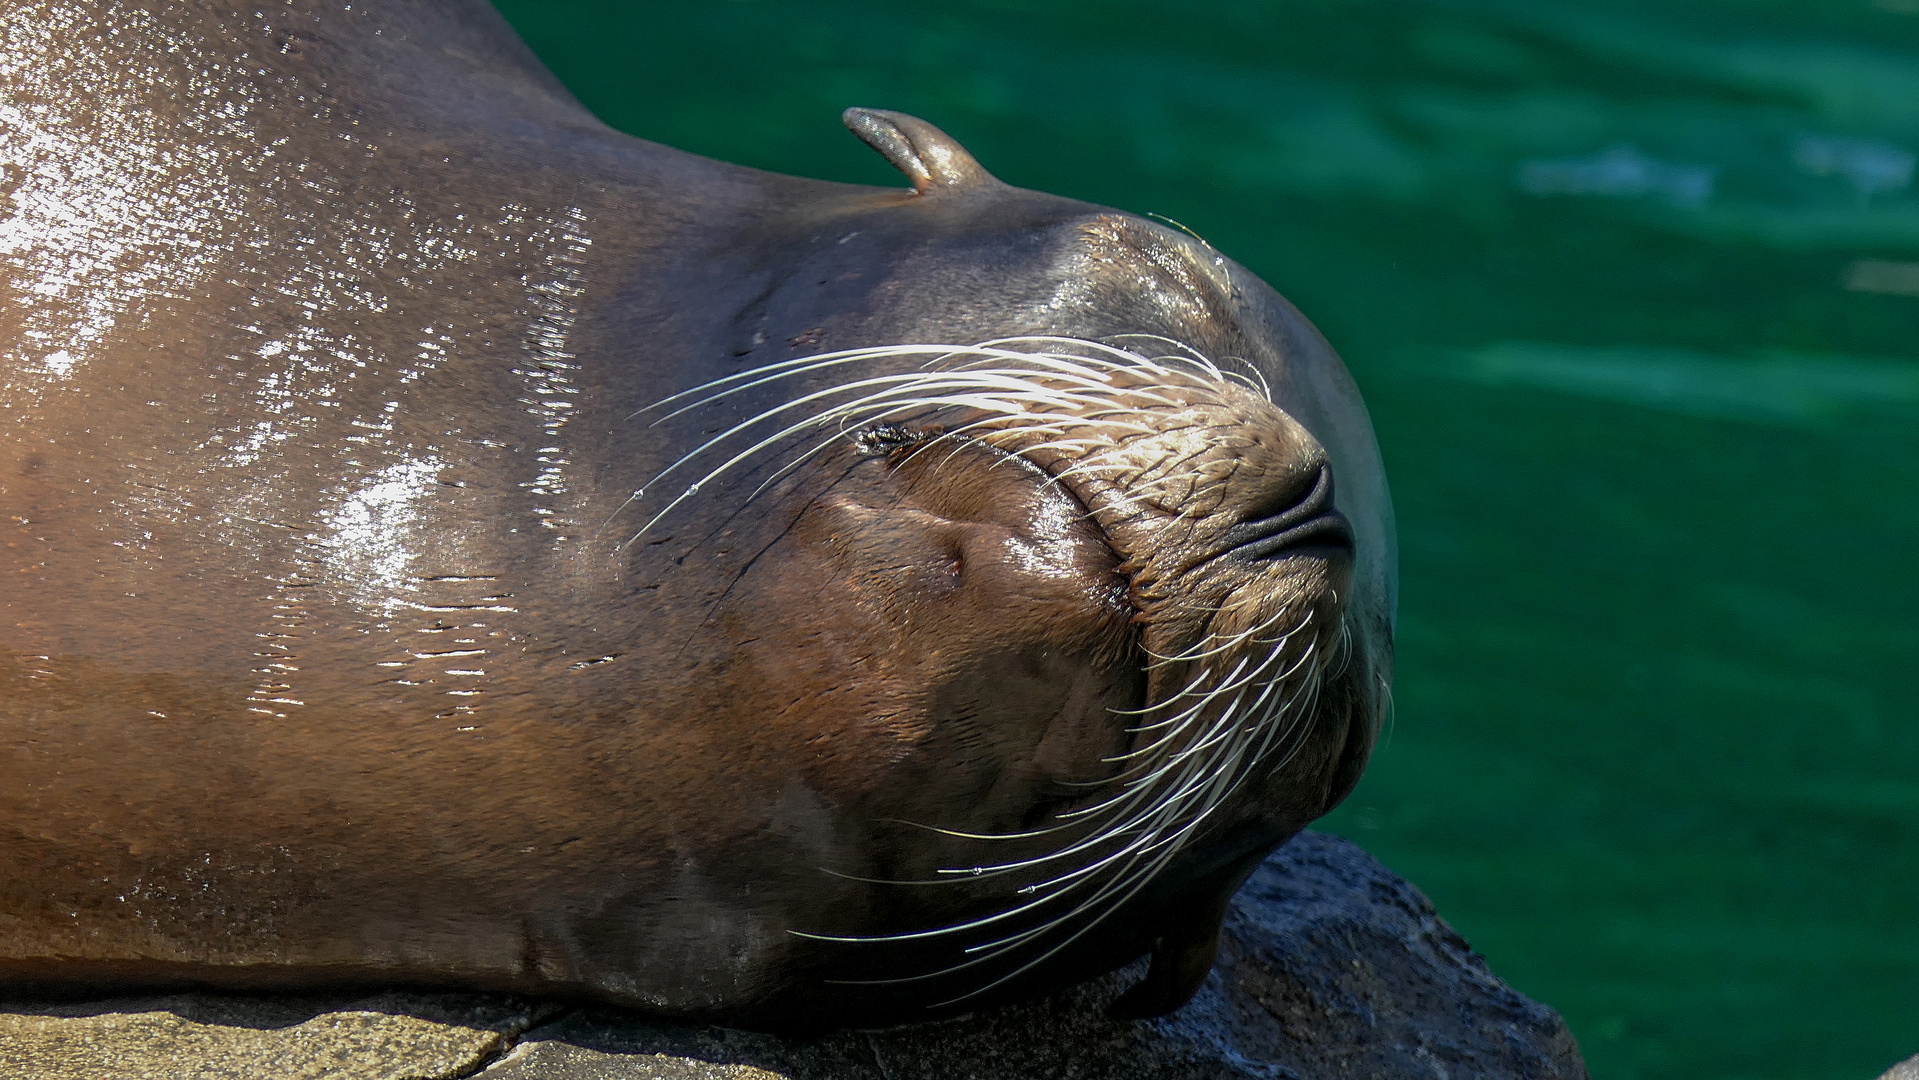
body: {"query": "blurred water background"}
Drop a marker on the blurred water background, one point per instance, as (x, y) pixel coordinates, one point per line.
(1632, 289)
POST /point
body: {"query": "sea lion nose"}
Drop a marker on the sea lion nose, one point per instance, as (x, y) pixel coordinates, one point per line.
(1309, 524)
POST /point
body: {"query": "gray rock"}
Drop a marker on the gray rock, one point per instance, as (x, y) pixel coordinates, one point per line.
(1905, 1070)
(216, 1037)
(1330, 967)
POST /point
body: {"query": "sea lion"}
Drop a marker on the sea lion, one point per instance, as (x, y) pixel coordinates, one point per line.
(448, 541)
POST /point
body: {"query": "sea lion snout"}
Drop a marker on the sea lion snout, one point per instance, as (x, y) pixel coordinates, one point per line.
(1088, 606)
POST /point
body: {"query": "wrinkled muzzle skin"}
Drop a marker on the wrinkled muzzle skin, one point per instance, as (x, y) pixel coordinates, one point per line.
(449, 542)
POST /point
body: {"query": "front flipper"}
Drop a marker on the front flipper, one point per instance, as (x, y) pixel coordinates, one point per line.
(1181, 960)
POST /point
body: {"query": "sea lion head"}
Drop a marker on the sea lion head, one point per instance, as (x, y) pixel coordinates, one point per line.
(1065, 627)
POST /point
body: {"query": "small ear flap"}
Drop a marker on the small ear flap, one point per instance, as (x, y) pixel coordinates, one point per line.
(928, 156)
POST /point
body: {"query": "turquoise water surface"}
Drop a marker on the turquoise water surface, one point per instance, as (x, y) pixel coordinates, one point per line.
(1632, 289)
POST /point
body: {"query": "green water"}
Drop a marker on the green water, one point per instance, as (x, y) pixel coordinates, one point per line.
(1632, 289)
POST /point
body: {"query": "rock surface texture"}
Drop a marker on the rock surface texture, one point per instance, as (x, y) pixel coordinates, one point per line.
(1331, 967)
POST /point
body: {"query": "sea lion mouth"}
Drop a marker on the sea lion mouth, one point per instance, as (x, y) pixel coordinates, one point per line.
(1311, 527)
